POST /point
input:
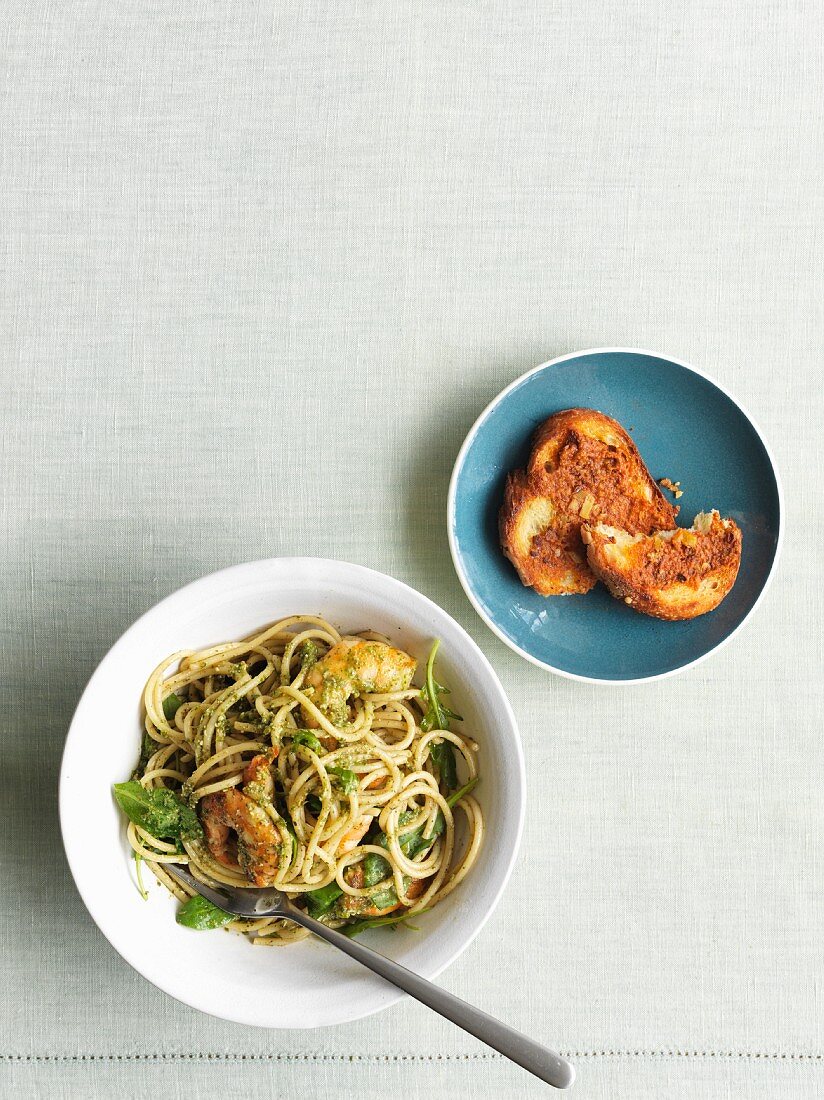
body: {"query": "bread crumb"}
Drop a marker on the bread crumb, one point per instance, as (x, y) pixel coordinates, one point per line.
(673, 486)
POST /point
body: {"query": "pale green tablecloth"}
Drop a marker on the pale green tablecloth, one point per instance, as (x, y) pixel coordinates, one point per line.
(262, 265)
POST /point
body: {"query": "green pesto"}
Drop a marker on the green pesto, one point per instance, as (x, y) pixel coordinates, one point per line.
(258, 792)
(308, 654)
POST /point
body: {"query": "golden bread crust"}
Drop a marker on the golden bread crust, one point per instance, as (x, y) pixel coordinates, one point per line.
(674, 575)
(541, 549)
(583, 467)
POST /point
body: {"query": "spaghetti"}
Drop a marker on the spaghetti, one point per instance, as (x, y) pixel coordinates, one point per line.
(307, 761)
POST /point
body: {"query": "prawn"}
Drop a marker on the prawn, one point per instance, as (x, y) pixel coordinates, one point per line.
(257, 776)
(355, 835)
(255, 845)
(364, 906)
(354, 667)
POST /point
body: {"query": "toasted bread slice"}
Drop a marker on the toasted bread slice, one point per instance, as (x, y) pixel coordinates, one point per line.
(547, 553)
(584, 467)
(677, 574)
(581, 452)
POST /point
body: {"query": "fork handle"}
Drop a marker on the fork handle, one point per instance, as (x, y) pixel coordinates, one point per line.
(537, 1059)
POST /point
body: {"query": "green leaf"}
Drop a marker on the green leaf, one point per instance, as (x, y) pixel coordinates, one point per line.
(358, 926)
(305, 737)
(347, 780)
(170, 706)
(314, 803)
(375, 868)
(321, 901)
(385, 897)
(190, 827)
(456, 796)
(443, 757)
(159, 811)
(413, 842)
(148, 747)
(200, 913)
(437, 715)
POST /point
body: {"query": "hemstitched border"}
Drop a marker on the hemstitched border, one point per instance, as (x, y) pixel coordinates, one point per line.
(371, 1059)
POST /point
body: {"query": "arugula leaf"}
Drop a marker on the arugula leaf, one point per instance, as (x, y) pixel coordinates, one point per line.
(358, 926)
(347, 780)
(190, 827)
(156, 810)
(456, 796)
(375, 868)
(387, 897)
(305, 737)
(384, 898)
(437, 715)
(321, 901)
(443, 757)
(148, 748)
(159, 811)
(170, 706)
(201, 914)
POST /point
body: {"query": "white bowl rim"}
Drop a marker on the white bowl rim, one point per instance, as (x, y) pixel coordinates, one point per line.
(173, 989)
(452, 495)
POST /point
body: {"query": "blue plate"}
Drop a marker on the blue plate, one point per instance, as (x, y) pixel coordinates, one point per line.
(686, 428)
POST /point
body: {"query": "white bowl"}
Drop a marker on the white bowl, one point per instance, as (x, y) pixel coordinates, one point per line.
(307, 984)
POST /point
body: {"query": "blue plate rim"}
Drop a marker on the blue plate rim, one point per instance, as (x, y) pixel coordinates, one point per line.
(452, 496)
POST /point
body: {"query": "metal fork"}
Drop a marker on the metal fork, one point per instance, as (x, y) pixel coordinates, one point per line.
(544, 1063)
